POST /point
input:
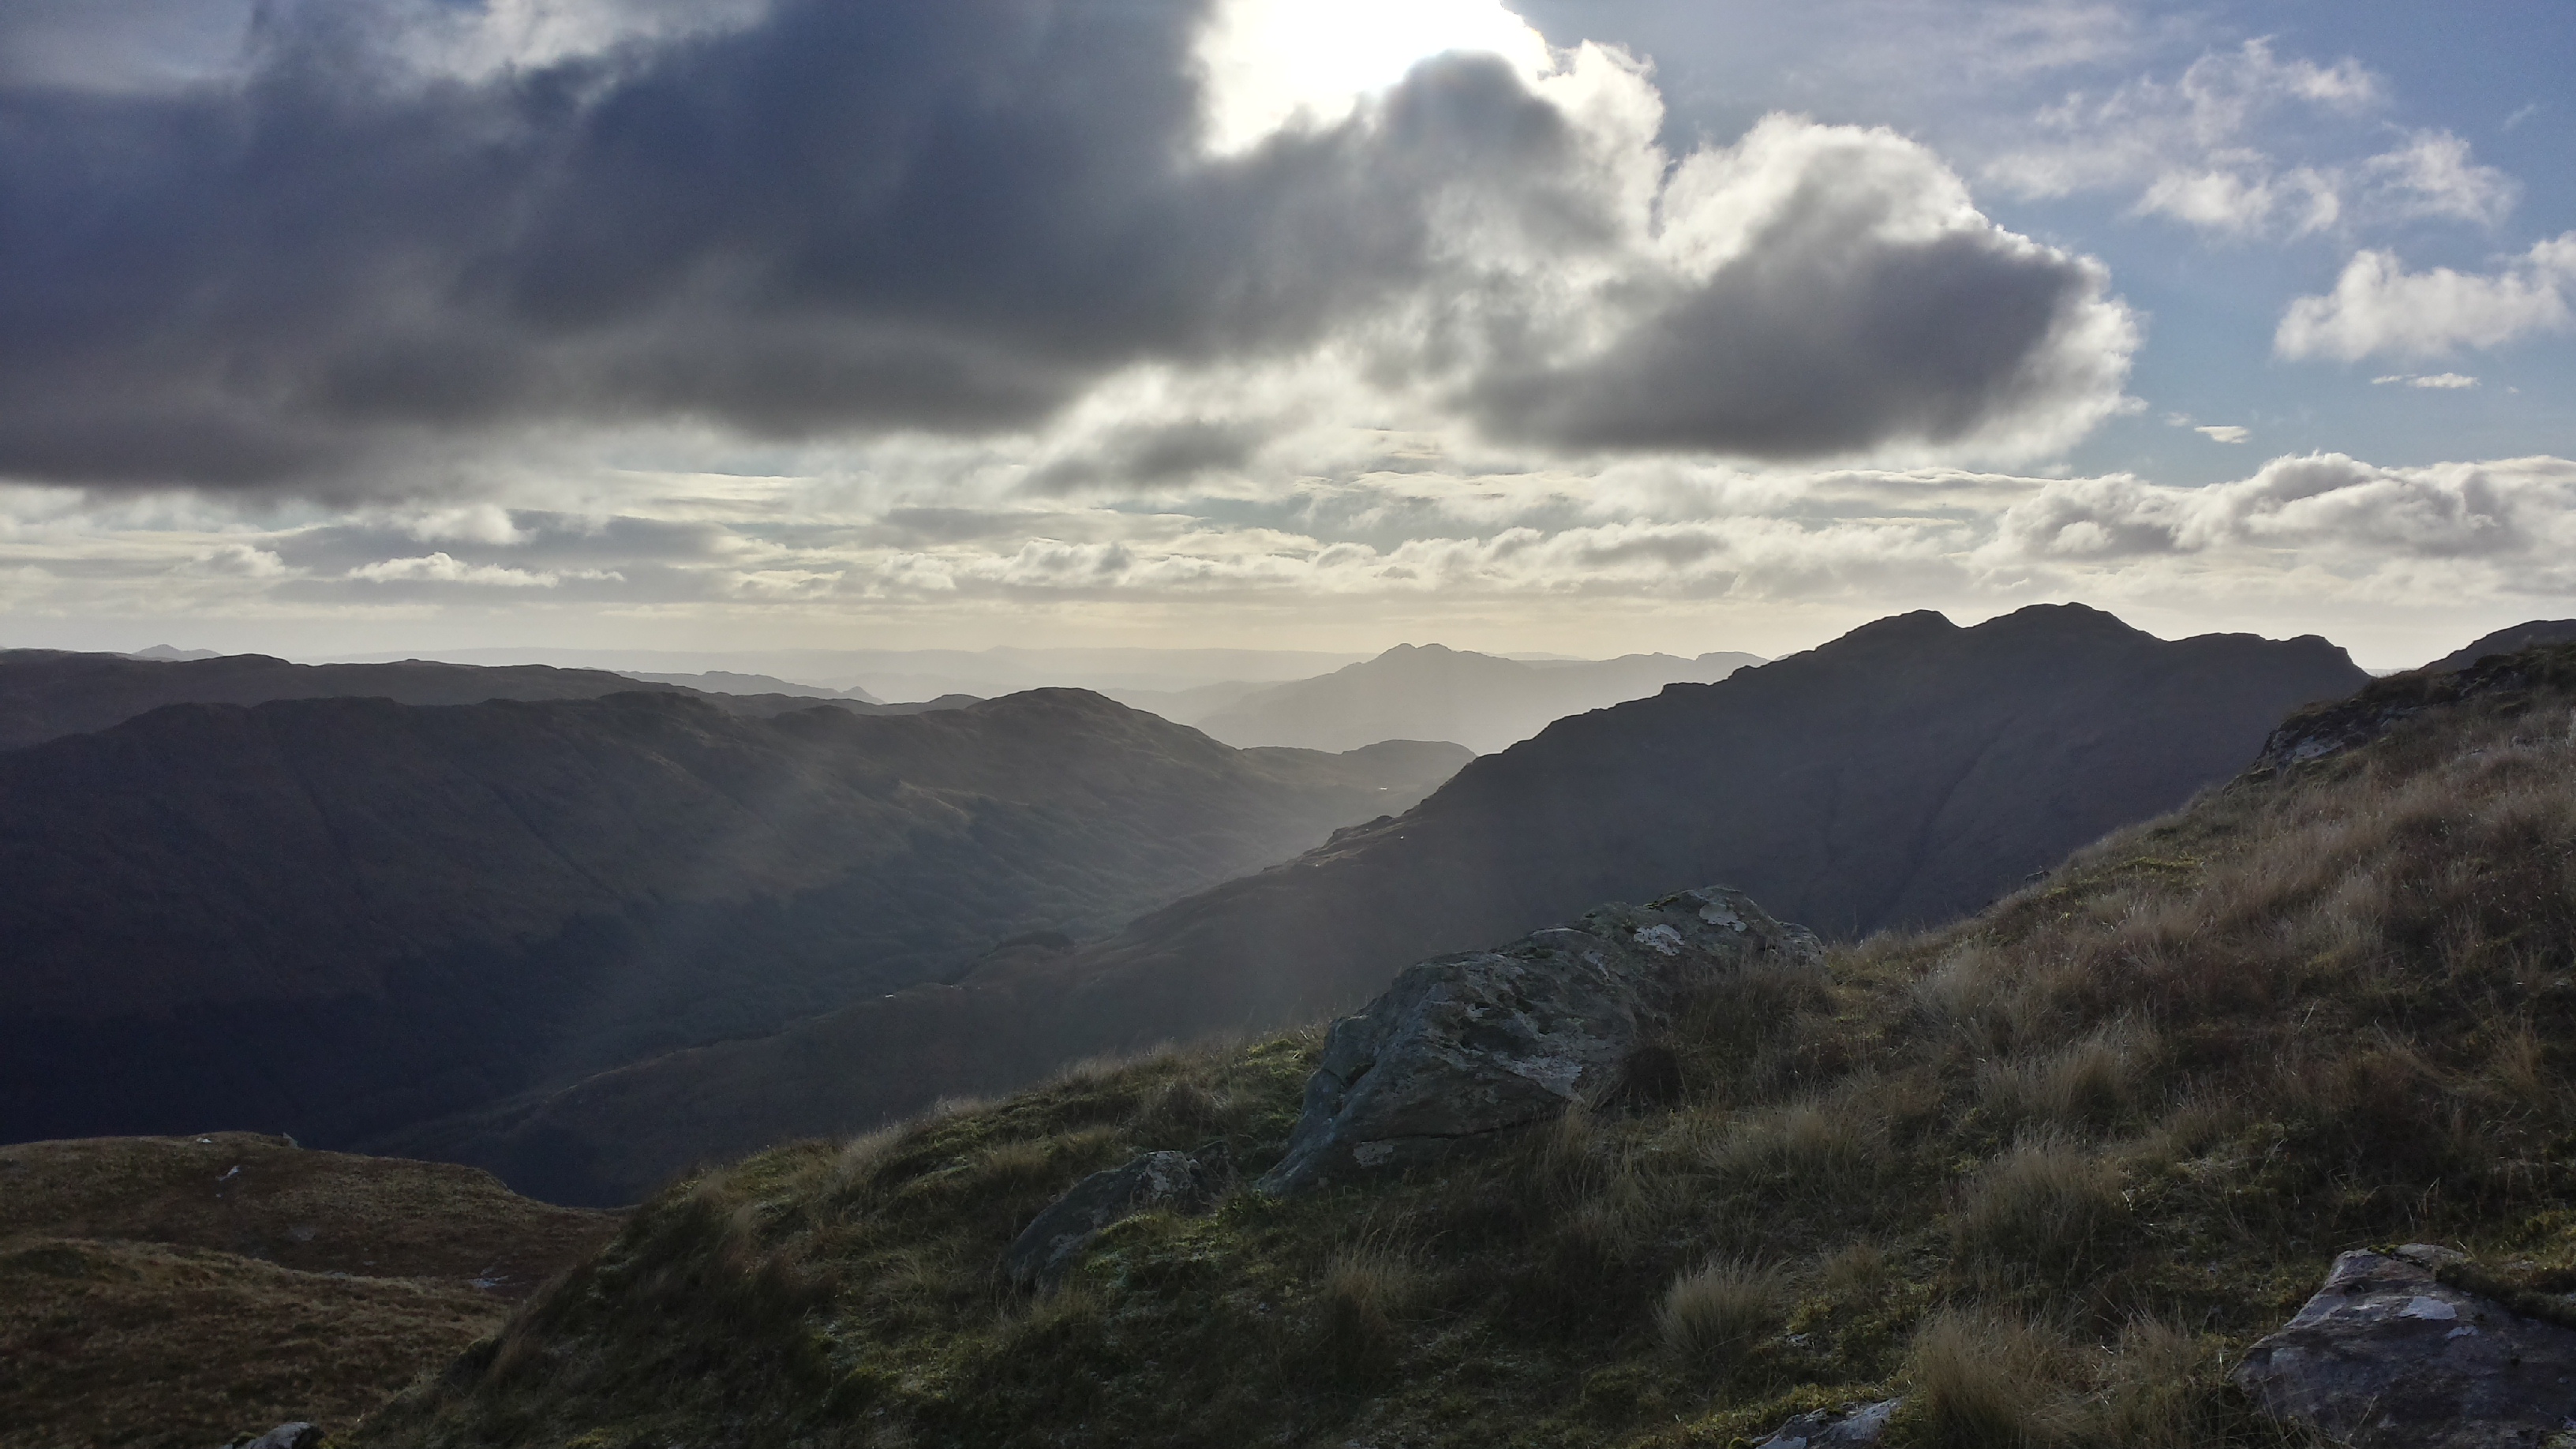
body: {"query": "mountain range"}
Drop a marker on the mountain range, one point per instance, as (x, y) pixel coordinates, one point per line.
(340, 916)
(1904, 774)
(49, 693)
(1428, 692)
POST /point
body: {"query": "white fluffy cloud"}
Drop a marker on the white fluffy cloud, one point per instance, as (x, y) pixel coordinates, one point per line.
(2378, 308)
(2246, 143)
(2337, 508)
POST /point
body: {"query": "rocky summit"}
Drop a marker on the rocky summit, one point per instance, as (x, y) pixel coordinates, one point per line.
(1466, 1048)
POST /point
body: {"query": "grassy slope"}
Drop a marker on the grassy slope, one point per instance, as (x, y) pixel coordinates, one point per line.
(151, 1294)
(2048, 1170)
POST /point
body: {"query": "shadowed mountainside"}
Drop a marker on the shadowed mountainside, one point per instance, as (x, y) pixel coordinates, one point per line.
(1433, 693)
(338, 916)
(178, 1291)
(1904, 774)
(46, 694)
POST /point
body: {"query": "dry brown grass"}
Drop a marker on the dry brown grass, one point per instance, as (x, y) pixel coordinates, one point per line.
(1711, 1315)
(183, 1290)
(1988, 1380)
(1367, 1290)
(2047, 1208)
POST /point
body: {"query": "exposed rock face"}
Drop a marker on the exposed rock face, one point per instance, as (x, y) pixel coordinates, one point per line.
(1468, 1046)
(1851, 1428)
(2386, 1354)
(288, 1436)
(1054, 1240)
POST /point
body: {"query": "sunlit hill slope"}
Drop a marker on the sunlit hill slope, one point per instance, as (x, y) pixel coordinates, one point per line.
(2046, 1171)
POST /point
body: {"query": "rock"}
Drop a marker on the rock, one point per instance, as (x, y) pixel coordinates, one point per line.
(2386, 1354)
(1467, 1047)
(298, 1435)
(1054, 1240)
(1844, 1429)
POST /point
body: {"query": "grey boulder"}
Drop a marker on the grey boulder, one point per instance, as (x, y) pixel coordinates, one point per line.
(298, 1435)
(1054, 1240)
(1854, 1428)
(1467, 1047)
(2386, 1354)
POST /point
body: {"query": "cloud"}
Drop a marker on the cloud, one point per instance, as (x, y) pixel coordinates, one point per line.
(2205, 148)
(1828, 289)
(2225, 433)
(441, 569)
(2378, 308)
(2324, 503)
(2451, 381)
(404, 235)
(2432, 176)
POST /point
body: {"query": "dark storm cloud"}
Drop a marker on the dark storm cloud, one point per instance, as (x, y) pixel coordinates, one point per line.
(849, 218)
(1819, 339)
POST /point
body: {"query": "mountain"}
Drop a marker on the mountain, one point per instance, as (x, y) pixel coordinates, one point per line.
(2045, 1176)
(173, 651)
(47, 693)
(2506, 641)
(339, 916)
(1901, 775)
(175, 1292)
(726, 681)
(1428, 692)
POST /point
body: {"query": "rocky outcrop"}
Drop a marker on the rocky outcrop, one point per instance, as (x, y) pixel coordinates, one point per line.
(298, 1435)
(1054, 1240)
(2386, 1354)
(2347, 724)
(1853, 1428)
(1465, 1048)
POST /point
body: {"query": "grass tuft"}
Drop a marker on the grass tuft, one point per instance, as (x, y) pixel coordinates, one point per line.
(1711, 1315)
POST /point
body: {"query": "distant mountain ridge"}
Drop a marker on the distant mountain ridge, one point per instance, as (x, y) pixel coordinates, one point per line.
(726, 681)
(330, 916)
(48, 693)
(1907, 772)
(1430, 692)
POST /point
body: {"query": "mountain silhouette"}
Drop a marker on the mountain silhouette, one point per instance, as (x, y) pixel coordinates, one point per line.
(1427, 692)
(331, 916)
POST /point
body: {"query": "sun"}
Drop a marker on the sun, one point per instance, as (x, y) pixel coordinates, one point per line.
(1271, 64)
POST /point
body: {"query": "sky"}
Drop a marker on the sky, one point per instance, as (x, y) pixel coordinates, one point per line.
(1592, 326)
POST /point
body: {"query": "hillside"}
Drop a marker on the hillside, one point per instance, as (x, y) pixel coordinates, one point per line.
(397, 912)
(182, 1291)
(1906, 773)
(2046, 1173)
(2506, 641)
(1428, 692)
